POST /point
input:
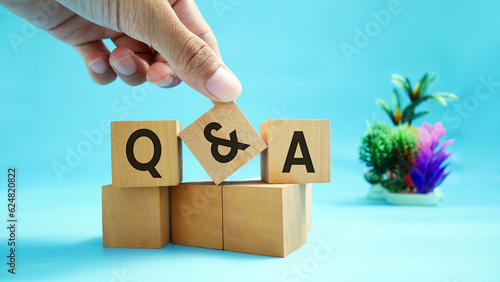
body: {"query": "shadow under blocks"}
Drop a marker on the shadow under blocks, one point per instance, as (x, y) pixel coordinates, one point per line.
(148, 206)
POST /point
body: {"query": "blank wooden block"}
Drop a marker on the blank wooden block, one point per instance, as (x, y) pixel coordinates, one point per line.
(197, 215)
(146, 153)
(308, 191)
(264, 219)
(308, 198)
(222, 140)
(298, 151)
(135, 217)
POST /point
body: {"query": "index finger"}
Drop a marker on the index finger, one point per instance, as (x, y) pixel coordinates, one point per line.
(190, 16)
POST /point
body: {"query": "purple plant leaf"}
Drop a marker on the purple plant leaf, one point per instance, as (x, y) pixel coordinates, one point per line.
(424, 156)
(426, 126)
(445, 145)
(425, 134)
(438, 131)
(428, 170)
(420, 165)
(436, 178)
(438, 160)
(418, 179)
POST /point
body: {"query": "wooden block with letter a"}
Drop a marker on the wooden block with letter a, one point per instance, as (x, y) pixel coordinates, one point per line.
(197, 214)
(135, 217)
(298, 151)
(146, 153)
(264, 219)
(222, 140)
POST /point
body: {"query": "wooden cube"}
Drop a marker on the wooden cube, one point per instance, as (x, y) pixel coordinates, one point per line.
(264, 219)
(197, 215)
(298, 151)
(135, 217)
(308, 198)
(222, 140)
(308, 191)
(146, 153)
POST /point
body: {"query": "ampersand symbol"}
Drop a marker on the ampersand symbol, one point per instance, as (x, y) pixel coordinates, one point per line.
(216, 142)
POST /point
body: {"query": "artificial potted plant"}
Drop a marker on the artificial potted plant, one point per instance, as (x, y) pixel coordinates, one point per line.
(405, 165)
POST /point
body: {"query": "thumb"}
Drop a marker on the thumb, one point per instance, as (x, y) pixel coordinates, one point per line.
(190, 57)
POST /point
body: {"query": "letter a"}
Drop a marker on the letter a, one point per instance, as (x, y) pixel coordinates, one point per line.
(298, 139)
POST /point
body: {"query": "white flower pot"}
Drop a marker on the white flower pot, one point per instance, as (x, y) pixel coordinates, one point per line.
(429, 199)
(376, 192)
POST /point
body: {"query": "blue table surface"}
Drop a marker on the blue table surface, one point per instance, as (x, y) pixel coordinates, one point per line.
(353, 239)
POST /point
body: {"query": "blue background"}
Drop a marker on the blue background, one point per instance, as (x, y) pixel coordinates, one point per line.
(288, 57)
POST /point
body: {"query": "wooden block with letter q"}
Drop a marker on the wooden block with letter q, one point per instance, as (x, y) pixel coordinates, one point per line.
(222, 140)
(146, 153)
(298, 151)
(135, 217)
(197, 214)
(263, 219)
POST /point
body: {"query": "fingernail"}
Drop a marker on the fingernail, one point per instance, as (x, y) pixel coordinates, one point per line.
(98, 65)
(125, 65)
(224, 85)
(166, 82)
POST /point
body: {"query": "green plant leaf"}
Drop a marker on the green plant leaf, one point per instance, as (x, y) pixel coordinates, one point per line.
(375, 150)
(371, 177)
(408, 87)
(386, 108)
(425, 82)
(396, 99)
(441, 97)
(410, 109)
(401, 82)
(438, 99)
(415, 116)
(447, 96)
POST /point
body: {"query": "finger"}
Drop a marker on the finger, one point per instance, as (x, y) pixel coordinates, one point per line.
(191, 17)
(161, 73)
(96, 56)
(128, 66)
(45, 14)
(190, 57)
(131, 59)
(78, 30)
(142, 50)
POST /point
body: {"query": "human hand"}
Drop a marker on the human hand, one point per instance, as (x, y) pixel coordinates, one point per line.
(161, 41)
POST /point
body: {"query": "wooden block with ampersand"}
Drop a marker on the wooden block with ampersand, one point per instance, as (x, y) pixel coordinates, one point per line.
(222, 140)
